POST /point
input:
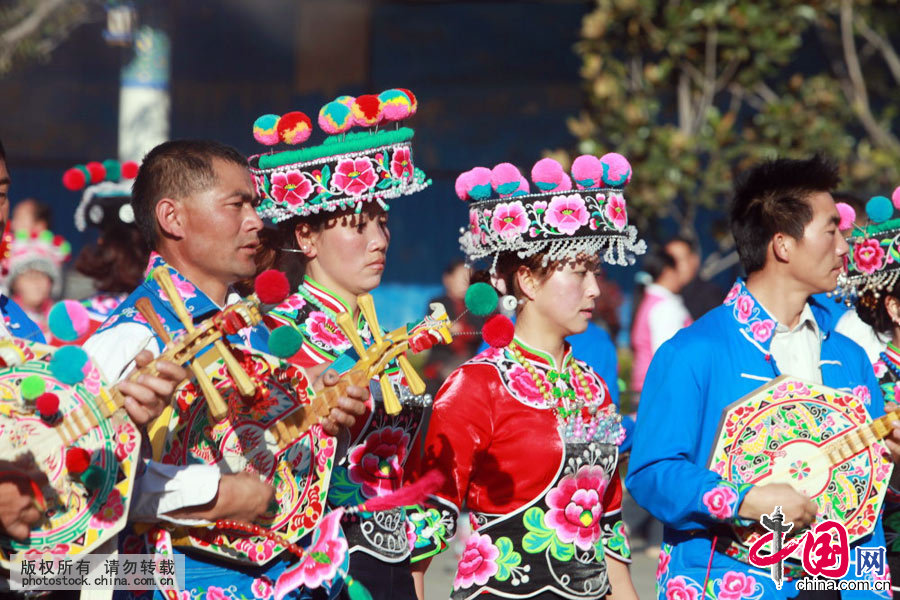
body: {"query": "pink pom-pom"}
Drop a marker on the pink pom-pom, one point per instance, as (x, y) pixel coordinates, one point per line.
(505, 178)
(895, 198)
(565, 184)
(587, 170)
(498, 331)
(462, 186)
(848, 215)
(479, 183)
(547, 174)
(523, 185)
(616, 169)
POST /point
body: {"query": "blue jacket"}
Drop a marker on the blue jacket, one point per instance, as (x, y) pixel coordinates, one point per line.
(693, 377)
(18, 323)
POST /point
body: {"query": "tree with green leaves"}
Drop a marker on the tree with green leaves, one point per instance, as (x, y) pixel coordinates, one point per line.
(31, 29)
(694, 92)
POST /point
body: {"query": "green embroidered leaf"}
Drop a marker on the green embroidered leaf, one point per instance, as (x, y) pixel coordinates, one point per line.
(538, 536)
(560, 551)
(326, 175)
(321, 558)
(385, 183)
(344, 492)
(508, 560)
(599, 551)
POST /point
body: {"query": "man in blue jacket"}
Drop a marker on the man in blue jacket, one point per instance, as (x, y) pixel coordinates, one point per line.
(785, 226)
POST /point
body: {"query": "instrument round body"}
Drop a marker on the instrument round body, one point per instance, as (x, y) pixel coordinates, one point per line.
(812, 437)
(252, 438)
(79, 517)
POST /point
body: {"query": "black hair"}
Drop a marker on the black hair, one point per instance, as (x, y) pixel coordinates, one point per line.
(175, 169)
(773, 197)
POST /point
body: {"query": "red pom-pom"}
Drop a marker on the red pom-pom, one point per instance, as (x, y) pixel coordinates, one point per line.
(498, 331)
(272, 286)
(97, 171)
(366, 110)
(294, 127)
(129, 169)
(74, 179)
(47, 404)
(413, 103)
(77, 460)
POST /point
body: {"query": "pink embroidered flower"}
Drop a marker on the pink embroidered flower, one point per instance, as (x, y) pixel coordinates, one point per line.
(262, 588)
(91, 379)
(185, 289)
(324, 332)
(615, 211)
(291, 188)
(868, 256)
(477, 563)
(322, 559)
(355, 176)
(473, 221)
(736, 585)
(663, 565)
(678, 588)
(509, 220)
(126, 439)
(880, 368)
(762, 330)
(326, 451)
(567, 213)
(292, 303)
(576, 505)
(522, 385)
(377, 463)
(733, 293)
(215, 593)
(110, 512)
(257, 549)
(401, 166)
(719, 500)
(744, 306)
(790, 387)
(862, 392)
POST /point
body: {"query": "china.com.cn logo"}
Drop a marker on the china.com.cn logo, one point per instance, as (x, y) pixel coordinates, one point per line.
(824, 550)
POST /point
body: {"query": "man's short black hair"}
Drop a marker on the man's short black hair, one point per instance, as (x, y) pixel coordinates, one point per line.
(773, 197)
(175, 169)
(2, 152)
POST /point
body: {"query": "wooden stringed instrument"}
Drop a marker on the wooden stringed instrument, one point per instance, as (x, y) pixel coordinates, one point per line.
(819, 440)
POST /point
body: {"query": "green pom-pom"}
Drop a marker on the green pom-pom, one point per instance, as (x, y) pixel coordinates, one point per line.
(879, 209)
(93, 477)
(113, 170)
(285, 341)
(68, 364)
(46, 236)
(481, 299)
(33, 386)
(356, 590)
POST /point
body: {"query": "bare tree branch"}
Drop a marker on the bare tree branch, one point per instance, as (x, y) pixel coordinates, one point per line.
(860, 96)
(709, 80)
(882, 44)
(684, 103)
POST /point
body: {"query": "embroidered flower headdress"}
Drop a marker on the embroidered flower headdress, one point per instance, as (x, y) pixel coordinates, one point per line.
(873, 262)
(565, 217)
(106, 199)
(347, 169)
(42, 252)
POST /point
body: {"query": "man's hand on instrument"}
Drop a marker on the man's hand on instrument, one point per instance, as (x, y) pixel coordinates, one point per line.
(762, 500)
(18, 508)
(148, 395)
(892, 441)
(241, 497)
(350, 405)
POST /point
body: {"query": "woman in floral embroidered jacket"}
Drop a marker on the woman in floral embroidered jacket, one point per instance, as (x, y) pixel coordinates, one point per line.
(525, 434)
(331, 213)
(873, 272)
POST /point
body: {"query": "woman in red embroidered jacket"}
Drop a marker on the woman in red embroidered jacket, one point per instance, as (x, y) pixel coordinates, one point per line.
(329, 204)
(524, 433)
